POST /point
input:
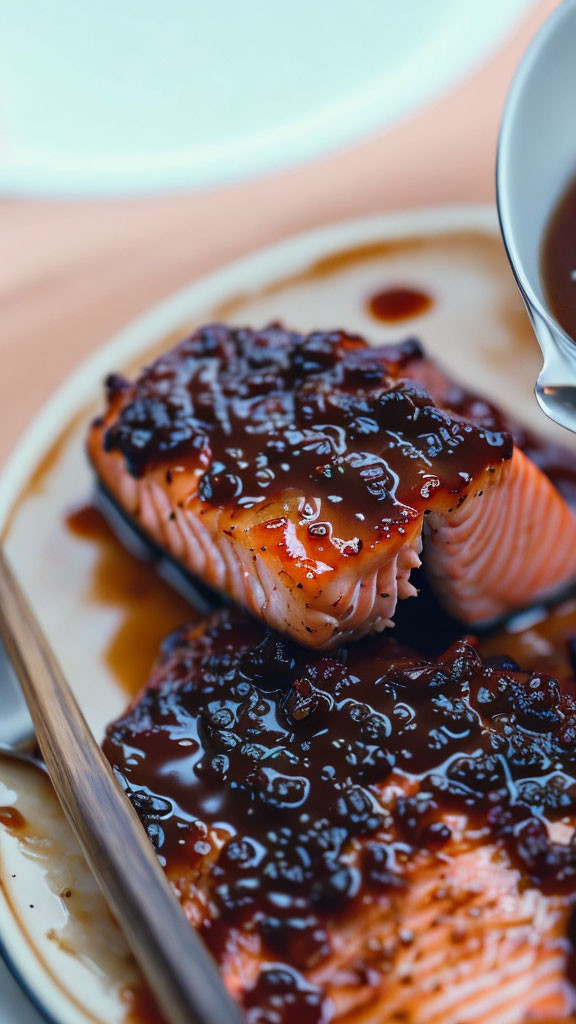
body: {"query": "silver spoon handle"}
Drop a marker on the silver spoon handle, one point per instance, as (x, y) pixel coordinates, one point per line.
(174, 961)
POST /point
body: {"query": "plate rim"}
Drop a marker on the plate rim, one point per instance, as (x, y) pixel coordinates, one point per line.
(29, 991)
(257, 269)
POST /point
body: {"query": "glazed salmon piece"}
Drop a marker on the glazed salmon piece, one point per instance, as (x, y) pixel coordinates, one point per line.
(490, 557)
(294, 473)
(484, 573)
(363, 836)
(474, 949)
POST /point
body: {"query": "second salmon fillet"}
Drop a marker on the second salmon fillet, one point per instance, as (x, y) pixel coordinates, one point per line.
(295, 473)
(364, 836)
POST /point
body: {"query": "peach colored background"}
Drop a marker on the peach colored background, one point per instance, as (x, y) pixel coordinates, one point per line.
(72, 273)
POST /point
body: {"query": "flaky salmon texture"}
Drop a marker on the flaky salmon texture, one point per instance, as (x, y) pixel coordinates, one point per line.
(296, 473)
(365, 836)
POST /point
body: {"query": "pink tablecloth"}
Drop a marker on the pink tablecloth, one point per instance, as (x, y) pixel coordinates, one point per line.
(72, 273)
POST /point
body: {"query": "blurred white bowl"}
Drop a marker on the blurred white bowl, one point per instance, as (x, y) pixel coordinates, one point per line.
(140, 95)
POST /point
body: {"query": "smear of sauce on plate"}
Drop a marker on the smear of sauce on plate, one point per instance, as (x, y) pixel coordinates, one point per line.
(399, 303)
(558, 261)
(150, 608)
(39, 857)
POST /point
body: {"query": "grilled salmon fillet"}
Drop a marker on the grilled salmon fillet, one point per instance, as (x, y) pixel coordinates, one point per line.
(364, 836)
(294, 473)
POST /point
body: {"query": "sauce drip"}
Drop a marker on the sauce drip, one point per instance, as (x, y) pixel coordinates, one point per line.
(392, 305)
(558, 261)
(286, 756)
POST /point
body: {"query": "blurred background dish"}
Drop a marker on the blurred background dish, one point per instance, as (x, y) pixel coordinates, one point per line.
(136, 97)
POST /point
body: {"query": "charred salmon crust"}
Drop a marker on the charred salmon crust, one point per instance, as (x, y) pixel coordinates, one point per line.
(294, 472)
(363, 836)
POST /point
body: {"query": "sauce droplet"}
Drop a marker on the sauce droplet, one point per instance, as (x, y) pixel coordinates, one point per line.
(87, 521)
(11, 819)
(399, 303)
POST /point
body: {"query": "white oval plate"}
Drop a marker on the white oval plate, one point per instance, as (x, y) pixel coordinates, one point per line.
(136, 96)
(61, 946)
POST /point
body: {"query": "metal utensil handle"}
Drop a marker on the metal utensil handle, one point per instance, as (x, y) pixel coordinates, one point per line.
(175, 963)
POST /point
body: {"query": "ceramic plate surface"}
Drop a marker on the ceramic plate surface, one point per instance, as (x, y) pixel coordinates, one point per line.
(105, 610)
(137, 96)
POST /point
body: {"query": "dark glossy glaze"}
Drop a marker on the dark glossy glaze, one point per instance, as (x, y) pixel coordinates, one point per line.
(257, 414)
(169, 417)
(289, 752)
(557, 461)
(558, 261)
(391, 305)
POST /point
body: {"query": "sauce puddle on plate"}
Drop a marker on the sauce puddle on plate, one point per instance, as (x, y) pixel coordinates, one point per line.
(392, 305)
(57, 907)
(150, 608)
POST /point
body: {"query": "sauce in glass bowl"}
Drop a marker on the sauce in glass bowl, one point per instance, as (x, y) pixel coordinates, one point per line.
(558, 261)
